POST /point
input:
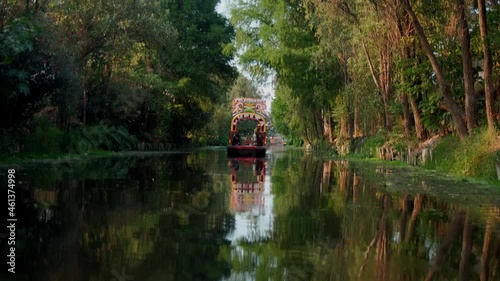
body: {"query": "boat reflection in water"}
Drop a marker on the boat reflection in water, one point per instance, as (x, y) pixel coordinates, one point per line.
(247, 184)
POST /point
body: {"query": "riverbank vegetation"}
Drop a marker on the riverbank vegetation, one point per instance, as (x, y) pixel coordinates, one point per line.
(475, 156)
(395, 72)
(78, 76)
(82, 76)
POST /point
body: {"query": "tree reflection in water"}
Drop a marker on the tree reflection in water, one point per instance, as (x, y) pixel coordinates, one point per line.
(337, 221)
(177, 217)
(158, 218)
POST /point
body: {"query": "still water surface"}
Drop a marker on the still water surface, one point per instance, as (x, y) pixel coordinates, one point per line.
(196, 215)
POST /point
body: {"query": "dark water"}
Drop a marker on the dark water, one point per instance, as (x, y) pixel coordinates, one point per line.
(293, 216)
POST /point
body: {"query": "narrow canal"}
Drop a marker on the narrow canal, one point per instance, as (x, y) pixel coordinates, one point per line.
(195, 215)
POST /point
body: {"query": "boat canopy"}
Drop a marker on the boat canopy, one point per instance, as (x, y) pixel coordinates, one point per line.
(249, 109)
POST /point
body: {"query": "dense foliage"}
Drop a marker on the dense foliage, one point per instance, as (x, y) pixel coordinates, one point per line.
(346, 69)
(161, 70)
(156, 69)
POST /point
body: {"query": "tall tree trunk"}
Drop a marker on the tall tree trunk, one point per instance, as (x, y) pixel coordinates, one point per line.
(470, 101)
(317, 125)
(406, 114)
(344, 127)
(358, 128)
(419, 126)
(307, 135)
(84, 121)
(403, 27)
(387, 115)
(385, 84)
(487, 65)
(379, 83)
(351, 123)
(455, 110)
(370, 64)
(327, 125)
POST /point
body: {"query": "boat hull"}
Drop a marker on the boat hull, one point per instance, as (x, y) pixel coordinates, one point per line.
(246, 151)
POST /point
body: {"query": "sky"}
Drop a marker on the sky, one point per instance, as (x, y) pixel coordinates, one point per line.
(223, 7)
(266, 88)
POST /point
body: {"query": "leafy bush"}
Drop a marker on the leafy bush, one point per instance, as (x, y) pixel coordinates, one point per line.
(367, 147)
(399, 142)
(45, 138)
(11, 140)
(321, 144)
(100, 137)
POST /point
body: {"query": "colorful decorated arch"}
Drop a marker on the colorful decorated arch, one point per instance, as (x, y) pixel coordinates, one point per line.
(249, 109)
(249, 105)
(248, 116)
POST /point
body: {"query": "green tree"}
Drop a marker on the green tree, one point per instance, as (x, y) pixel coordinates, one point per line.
(198, 66)
(487, 64)
(243, 88)
(452, 106)
(156, 67)
(276, 36)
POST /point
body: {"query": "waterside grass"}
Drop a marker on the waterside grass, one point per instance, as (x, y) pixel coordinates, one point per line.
(473, 158)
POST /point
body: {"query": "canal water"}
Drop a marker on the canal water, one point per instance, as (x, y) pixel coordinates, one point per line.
(196, 215)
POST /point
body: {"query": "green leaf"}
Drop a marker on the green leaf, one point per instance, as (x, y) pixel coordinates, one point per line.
(23, 88)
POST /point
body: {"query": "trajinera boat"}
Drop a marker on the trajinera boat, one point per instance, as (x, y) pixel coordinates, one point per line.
(248, 109)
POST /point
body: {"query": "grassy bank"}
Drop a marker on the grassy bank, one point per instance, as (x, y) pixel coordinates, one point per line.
(475, 157)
